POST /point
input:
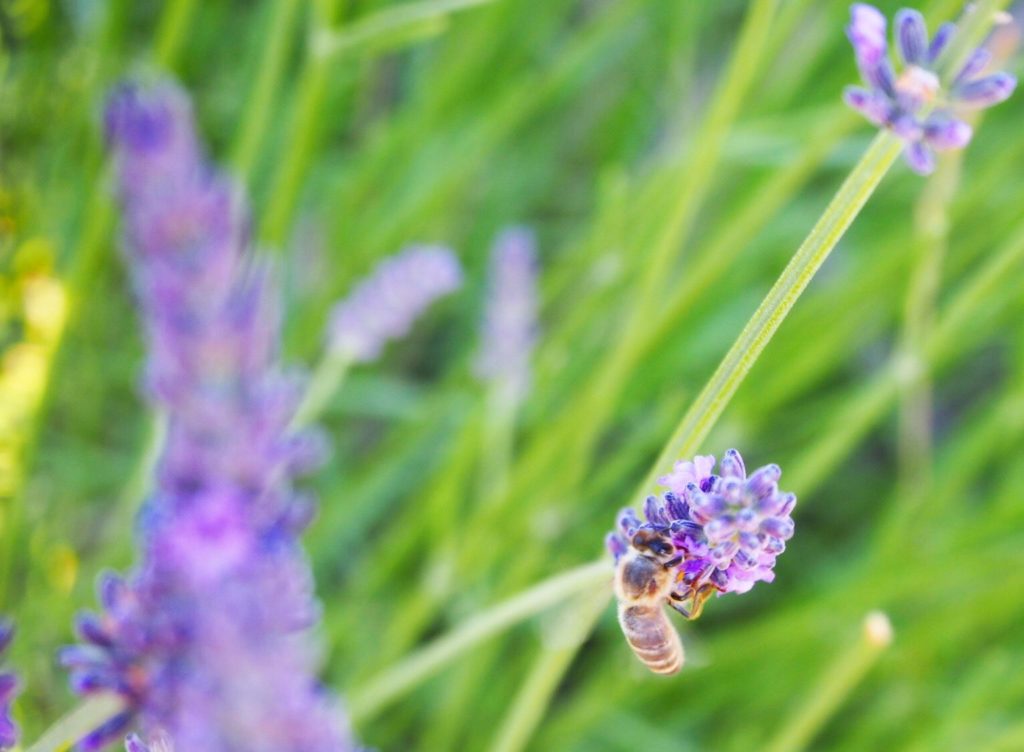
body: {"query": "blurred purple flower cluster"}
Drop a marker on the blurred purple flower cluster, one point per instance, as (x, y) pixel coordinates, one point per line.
(8, 688)
(915, 105)
(386, 304)
(207, 641)
(510, 321)
(727, 528)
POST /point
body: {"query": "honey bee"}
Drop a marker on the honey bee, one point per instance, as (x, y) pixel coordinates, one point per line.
(644, 581)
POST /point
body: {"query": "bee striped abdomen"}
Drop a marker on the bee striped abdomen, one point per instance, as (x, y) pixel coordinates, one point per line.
(652, 637)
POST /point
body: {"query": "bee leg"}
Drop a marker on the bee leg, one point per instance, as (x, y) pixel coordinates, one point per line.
(699, 599)
(676, 601)
(673, 562)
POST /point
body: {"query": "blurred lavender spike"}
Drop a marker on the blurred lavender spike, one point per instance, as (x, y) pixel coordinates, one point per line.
(8, 688)
(914, 104)
(208, 640)
(510, 319)
(385, 305)
(727, 528)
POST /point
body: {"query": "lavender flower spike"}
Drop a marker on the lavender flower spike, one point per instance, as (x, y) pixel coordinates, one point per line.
(915, 104)
(208, 640)
(727, 528)
(385, 305)
(510, 321)
(8, 688)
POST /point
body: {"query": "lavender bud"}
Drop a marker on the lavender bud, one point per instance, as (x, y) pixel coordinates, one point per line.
(510, 320)
(987, 91)
(385, 305)
(912, 36)
(942, 132)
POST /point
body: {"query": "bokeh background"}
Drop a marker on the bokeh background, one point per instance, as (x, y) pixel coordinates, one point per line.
(705, 137)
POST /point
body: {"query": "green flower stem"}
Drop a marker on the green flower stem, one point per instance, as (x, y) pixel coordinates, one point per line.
(84, 719)
(839, 679)
(740, 358)
(370, 698)
(499, 430)
(564, 640)
(931, 241)
(256, 118)
(327, 378)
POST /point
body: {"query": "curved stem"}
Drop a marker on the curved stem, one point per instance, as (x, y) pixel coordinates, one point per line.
(534, 696)
(840, 213)
(839, 679)
(424, 663)
(87, 717)
(324, 383)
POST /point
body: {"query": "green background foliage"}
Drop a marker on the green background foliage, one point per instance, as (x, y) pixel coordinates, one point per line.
(671, 156)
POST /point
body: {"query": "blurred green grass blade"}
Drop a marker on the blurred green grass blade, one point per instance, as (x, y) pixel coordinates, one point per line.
(170, 35)
(255, 120)
(390, 28)
(375, 694)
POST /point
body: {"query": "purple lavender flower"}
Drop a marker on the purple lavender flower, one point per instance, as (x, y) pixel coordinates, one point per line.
(510, 321)
(384, 306)
(160, 744)
(8, 688)
(917, 105)
(207, 640)
(728, 528)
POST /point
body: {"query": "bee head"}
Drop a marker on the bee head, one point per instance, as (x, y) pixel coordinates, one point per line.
(655, 545)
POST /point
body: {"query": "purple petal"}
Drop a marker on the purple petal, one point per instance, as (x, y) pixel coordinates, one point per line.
(764, 480)
(871, 104)
(943, 132)
(907, 127)
(653, 512)
(911, 36)
(919, 157)
(106, 733)
(867, 35)
(732, 465)
(778, 527)
(975, 64)
(986, 91)
(942, 37)
(616, 545)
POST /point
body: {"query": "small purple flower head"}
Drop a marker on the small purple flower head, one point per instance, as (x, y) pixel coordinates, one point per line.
(510, 321)
(727, 528)
(385, 305)
(8, 688)
(915, 104)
